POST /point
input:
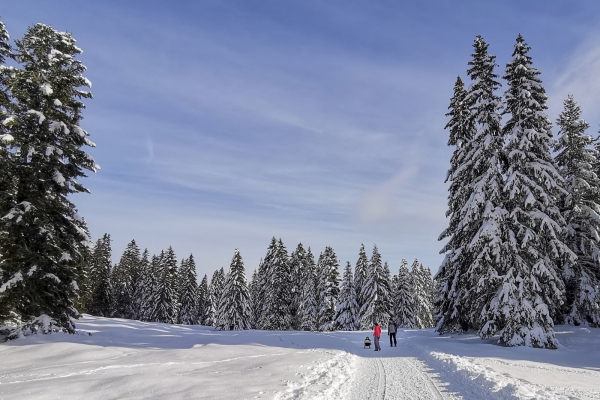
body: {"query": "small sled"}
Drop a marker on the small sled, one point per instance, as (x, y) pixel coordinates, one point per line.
(367, 343)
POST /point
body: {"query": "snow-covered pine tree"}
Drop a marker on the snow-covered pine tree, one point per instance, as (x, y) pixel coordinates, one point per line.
(188, 292)
(405, 309)
(265, 279)
(576, 160)
(236, 311)
(151, 282)
(527, 292)
(165, 298)
(347, 309)
(422, 285)
(169, 260)
(450, 310)
(203, 301)
(360, 278)
(215, 290)
(120, 282)
(134, 265)
(277, 299)
(375, 308)
(140, 288)
(478, 242)
(254, 288)
(387, 292)
(44, 240)
(298, 272)
(125, 278)
(308, 308)
(100, 302)
(328, 289)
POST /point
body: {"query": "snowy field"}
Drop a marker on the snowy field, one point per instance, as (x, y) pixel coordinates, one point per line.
(125, 359)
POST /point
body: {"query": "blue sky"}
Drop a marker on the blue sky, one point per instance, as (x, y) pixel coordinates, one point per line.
(220, 124)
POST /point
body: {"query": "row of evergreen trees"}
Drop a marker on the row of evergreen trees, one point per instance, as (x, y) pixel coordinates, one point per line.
(43, 240)
(287, 292)
(523, 236)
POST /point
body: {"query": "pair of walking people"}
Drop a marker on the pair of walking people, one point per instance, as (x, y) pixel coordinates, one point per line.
(392, 330)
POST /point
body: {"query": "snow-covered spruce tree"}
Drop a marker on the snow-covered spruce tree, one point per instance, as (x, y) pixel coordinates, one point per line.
(328, 289)
(236, 311)
(170, 261)
(215, 290)
(450, 309)
(347, 309)
(375, 308)
(44, 241)
(151, 278)
(422, 284)
(125, 278)
(360, 278)
(120, 282)
(133, 263)
(388, 291)
(100, 302)
(139, 288)
(298, 275)
(278, 297)
(203, 301)
(528, 291)
(404, 303)
(576, 160)
(254, 288)
(479, 240)
(265, 280)
(164, 297)
(188, 292)
(308, 308)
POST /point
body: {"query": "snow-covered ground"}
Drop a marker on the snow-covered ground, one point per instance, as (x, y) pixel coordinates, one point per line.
(125, 359)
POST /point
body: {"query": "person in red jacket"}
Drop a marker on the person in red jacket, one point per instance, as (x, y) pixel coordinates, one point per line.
(376, 336)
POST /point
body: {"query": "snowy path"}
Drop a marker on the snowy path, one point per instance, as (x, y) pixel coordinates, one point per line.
(393, 378)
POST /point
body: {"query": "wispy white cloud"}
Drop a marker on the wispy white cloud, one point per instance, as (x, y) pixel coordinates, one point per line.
(580, 78)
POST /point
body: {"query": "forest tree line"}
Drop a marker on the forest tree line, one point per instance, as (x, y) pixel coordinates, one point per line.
(286, 291)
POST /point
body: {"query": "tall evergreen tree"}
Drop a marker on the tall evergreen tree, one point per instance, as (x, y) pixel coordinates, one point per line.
(375, 308)
(100, 302)
(347, 309)
(360, 278)
(308, 308)
(421, 280)
(478, 242)
(450, 307)
(188, 292)
(215, 290)
(327, 289)
(44, 240)
(151, 282)
(203, 301)
(140, 288)
(236, 311)
(298, 267)
(125, 279)
(278, 297)
(576, 160)
(254, 289)
(405, 308)
(165, 298)
(265, 282)
(527, 291)
(387, 292)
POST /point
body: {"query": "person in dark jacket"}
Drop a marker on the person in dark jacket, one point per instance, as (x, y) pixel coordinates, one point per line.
(376, 336)
(392, 329)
